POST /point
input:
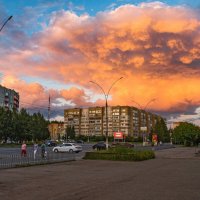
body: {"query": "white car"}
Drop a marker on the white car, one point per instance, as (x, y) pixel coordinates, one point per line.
(68, 147)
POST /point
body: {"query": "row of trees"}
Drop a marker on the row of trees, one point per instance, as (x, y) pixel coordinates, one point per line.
(19, 126)
(186, 133)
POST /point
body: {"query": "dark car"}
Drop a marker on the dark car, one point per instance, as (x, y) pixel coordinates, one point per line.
(99, 146)
(80, 141)
(51, 143)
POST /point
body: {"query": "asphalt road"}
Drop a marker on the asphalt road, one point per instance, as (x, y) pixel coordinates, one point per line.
(174, 174)
(10, 157)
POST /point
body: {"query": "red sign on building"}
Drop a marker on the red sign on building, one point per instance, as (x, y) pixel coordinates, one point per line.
(118, 135)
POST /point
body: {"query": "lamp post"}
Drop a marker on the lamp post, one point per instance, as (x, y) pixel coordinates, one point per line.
(9, 18)
(106, 104)
(144, 108)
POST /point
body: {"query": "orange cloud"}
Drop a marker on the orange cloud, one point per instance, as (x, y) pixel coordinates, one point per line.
(155, 47)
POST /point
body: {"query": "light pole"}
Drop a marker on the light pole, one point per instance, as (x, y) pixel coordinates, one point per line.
(9, 18)
(106, 101)
(144, 108)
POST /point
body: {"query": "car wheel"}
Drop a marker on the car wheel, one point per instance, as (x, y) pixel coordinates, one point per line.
(70, 151)
(56, 150)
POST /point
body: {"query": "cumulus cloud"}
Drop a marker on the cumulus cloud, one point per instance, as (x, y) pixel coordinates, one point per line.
(154, 46)
(35, 97)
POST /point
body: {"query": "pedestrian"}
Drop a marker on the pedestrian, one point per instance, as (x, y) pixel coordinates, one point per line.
(43, 150)
(23, 149)
(35, 148)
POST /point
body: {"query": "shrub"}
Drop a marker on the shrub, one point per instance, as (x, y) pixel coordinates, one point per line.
(120, 154)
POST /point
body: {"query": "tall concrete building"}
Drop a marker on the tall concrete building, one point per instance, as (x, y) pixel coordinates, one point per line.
(9, 99)
(92, 121)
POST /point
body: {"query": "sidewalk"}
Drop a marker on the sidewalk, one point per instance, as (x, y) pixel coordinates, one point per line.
(178, 153)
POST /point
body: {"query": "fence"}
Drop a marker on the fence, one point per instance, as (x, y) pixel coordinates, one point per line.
(16, 160)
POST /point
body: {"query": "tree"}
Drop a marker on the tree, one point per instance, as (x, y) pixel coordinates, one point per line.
(19, 126)
(187, 134)
(5, 124)
(161, 130)
(70, 132)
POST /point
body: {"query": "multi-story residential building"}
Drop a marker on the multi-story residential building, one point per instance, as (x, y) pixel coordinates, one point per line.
(9, 99)
(92, 121)
(72, 117)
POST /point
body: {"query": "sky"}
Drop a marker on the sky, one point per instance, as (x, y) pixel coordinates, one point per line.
(57, 47)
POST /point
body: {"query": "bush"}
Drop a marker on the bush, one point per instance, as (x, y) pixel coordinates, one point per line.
(120, 154)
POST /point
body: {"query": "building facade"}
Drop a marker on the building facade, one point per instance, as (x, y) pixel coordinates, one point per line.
(9, 99)
(56, 130)
(92, 121)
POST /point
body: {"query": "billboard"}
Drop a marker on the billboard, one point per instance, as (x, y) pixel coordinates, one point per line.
(118, 135)
(154, 138)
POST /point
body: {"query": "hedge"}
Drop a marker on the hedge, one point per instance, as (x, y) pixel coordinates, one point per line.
(120, 155)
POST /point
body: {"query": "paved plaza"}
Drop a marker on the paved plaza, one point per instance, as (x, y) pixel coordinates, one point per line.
(173, 175)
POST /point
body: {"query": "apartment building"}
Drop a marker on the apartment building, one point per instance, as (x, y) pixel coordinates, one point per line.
(9, 99)
(92, 121)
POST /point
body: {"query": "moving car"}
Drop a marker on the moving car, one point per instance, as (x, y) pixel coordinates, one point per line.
(68, 147)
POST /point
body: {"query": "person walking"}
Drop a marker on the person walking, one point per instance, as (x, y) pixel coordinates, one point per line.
(43, 150)
(23, 149)
(35, 148)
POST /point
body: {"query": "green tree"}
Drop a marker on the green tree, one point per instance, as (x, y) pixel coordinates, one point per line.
(19, 126)
(70, 132)
(5, 124)
(187, 134)
(161, 130)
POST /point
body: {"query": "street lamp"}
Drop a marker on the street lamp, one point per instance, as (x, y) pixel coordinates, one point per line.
(9, 18)
(106, 101)
(144, 108)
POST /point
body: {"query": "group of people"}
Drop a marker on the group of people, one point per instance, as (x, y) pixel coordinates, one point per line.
(35, 149)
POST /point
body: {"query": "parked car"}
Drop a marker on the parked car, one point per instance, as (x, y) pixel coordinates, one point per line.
(80, 141)
(68, 147)
(51, 143)
(100, 145)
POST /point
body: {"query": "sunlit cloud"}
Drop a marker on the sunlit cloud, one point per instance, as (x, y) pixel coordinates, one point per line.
(154, 46)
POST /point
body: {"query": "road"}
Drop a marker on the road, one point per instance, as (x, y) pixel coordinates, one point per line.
(174, 174)
(11, 157)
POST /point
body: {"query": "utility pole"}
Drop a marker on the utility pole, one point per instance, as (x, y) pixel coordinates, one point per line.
(49, 108)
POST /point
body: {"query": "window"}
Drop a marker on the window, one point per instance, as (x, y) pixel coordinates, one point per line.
(68, 145)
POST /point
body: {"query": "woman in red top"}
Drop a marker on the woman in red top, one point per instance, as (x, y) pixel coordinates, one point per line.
(23, 149)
